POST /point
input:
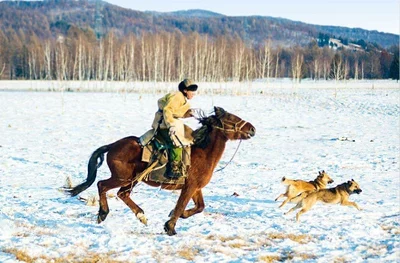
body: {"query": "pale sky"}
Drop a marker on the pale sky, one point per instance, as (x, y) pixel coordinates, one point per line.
(381, 15)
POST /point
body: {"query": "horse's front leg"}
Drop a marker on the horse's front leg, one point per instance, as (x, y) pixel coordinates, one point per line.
(198, 205)
(184, 198)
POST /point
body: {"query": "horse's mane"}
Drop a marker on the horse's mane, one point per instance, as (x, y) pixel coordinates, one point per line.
(202, 135)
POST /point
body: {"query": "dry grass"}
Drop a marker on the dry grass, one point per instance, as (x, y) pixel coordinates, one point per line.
(395, 230)
(286, 257)
(302, 239)
(269, 258)
(91, 201)
(340, 260)
(30, 229)
(188, 253)
(89, 257)
(221, 238)
(68, 183)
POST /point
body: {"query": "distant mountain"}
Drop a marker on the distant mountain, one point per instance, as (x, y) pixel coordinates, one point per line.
(194, 13)
(53, 17)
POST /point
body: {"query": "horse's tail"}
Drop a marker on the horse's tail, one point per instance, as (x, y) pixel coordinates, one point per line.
(92, 170)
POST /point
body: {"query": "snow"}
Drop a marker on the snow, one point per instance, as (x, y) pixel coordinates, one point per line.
(351, 133)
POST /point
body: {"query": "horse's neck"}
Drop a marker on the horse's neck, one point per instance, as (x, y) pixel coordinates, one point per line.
(216, 147)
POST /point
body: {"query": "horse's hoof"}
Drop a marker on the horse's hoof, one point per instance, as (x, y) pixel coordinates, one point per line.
(170, 230)
(142, 218)
(101, 217)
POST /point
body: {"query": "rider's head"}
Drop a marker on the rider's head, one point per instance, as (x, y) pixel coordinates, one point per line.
(188, 88)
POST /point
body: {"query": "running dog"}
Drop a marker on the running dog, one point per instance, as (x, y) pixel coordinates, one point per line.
(339, 194)
(298, 189)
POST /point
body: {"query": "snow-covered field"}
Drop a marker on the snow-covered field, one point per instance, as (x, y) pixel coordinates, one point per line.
(351, 133)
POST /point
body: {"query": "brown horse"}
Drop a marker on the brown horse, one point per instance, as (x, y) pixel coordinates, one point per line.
(124, 161)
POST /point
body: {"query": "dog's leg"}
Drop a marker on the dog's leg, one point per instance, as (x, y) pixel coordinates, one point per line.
(302, 211)
(284, 202)
(281, 195)
(348, 203)
(294, 208)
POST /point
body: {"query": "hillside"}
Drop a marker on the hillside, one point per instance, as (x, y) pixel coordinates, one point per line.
(50, 18)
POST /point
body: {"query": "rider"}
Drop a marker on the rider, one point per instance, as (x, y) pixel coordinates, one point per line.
(171, 107)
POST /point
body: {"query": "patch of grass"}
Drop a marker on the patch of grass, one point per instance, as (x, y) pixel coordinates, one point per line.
(302, 239)
(340, 260)
(89, 257)
(188, 253)
(68, 183)
(395, 230)
(222, 238)
(286, 257)
(29, 229)
(269, 258)
(90, 201)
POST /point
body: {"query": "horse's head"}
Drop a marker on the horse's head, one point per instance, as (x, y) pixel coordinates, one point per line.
(232, 126)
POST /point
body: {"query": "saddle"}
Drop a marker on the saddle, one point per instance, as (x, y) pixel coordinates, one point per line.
(155, 153)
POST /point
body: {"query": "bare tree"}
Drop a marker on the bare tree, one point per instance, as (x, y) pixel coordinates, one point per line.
(2, 69)
(277, 62)
(266, 60)
(356, 69)
(144, 58)
(337, 68)
(297, 66)
(47, 59)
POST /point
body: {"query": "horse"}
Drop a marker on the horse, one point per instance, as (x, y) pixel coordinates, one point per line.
(124, 162)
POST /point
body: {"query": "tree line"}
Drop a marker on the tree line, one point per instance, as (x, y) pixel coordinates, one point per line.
(167, 56)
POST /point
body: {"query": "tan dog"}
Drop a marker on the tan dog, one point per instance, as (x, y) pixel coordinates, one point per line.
(298, 189)
(339, 194)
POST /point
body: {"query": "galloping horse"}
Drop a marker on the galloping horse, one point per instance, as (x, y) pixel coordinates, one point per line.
(124, 162)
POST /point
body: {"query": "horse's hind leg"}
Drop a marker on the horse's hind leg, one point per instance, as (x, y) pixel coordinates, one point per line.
(124, 194)
(103, 186)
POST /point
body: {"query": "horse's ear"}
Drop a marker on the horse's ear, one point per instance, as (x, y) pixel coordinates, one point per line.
(219, 112)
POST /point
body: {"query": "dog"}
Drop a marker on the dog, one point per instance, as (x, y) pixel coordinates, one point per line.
(298, 189)
(339, 194)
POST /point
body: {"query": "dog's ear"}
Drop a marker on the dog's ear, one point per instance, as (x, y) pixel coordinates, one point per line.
(349, 182)
(319, 172)
(352, 180)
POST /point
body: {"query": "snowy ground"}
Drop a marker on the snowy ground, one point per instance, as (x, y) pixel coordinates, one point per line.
(47, 137)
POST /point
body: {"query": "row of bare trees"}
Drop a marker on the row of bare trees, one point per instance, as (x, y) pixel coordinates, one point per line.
(172, 56)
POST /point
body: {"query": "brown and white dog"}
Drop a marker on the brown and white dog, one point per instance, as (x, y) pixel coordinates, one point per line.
(339, 194)
(298, 189)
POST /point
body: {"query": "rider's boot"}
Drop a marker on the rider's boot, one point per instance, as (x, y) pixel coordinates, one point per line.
(175, 171)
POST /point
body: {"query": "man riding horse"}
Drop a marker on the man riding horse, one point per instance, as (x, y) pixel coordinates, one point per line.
(127, 167)
(177, 135)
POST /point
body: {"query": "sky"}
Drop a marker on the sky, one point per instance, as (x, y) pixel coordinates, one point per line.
(381, 15)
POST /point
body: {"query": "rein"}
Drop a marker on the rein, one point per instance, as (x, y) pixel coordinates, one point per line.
(236, 127)
(220, 169)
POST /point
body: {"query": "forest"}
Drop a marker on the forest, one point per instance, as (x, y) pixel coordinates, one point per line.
(65, 50)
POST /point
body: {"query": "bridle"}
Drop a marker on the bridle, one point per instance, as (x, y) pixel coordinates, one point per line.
(231, 126)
